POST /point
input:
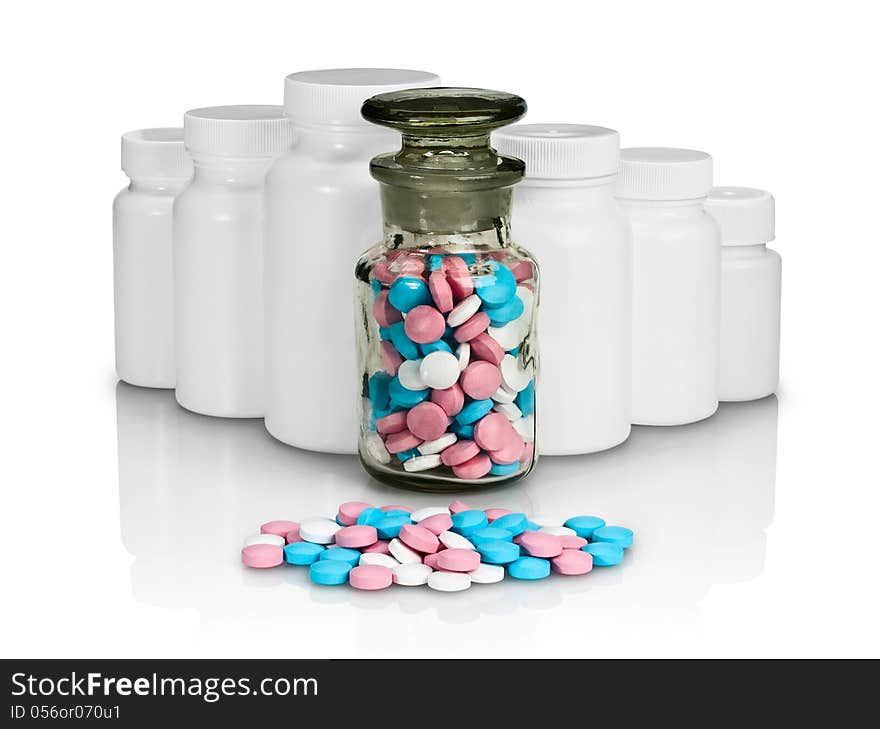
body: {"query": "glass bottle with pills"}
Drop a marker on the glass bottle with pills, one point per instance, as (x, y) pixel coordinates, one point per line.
(446, 302)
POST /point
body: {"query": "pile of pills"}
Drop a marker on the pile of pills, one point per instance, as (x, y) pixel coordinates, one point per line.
(446, 548)
(454, 392)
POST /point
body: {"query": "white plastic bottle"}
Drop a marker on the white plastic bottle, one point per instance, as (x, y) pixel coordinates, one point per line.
(750, 292)
(566, 214)
(322, 211)
(159, 168)
(676, 284)
(218, 258)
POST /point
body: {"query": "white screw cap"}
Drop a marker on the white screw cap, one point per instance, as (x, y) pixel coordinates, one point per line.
(746, 216)
(661, 173)
(156, 153)
(250, 130)
(561, 151)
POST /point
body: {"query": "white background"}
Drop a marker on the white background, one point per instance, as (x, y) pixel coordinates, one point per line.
(122, 515)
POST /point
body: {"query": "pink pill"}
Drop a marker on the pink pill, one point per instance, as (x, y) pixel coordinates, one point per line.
(402, 441)
(427, 421)
(480, 380)
(458, 560)
(379, 547)
(351, 510)
(437, 523)
(431, 559)
(476, 467)
(384, 312)
(409, 264)
(391, 359)
(570, 541)
(477, 324)
(572, 562)
(510, 452)
(541, 544)
(451, 399)
(440, 291)
(382, 272)
(459, 452)
(393, 423)
(522, 271)
(262, 555)
(370, 577)
(458, 276)
(457, 506)
(493, 514)
(293, 536)
(419, 538)
(395, 507)
(493, 431)
(424, 324)
(356, 536)
(485, 348)
(394, 254)
(279, 528)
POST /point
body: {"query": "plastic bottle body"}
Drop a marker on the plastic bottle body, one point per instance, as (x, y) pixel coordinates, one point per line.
(218, 281)
(750, 308)
(143, 282)
(585, 250)
(676, 312)
(322, 211)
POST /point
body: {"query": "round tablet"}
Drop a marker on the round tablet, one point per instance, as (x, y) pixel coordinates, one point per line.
(408, 292)
(458, 276)
(370, 577)
(495, 513)
(538, 544)
(496, 287)
(451, 540)
(480, 380)
(437, 523)
(402, 441)
(515, 377)
(424, 324)
(493, 431)
(463, 311)
(422, 463)
(262, 556)
(381, 560)
(318, 530)
(474, 410)
(391, 358)
(438, 346)
(501, 315)
(510, 335)
(513, 522)
(458, 560)
(383, 311)
(371, 516)
(280, 527)
(404, 397)
(459, 505)
(498, 552)
(357, 536)
(485, 348)
(411, 574)
(431, 560)
(341, 554)
(604, 554)
(477, 324)
(439, 370)
(618, 535)
(504, 470)
(459, 452)
(426, 421)
(449, 581)
(402, 343)
(511, 452)
(572, 562)
(380, 546)
(559, 531)
(529, 568)
(569, 542)
(327, 572)
(293, 536)
(302, 553)
(351, 510)
(431, 447)
(464, 355)
(419, 538)
(509, 410)
(389, 527)
(441, 292)
(525, 400)
(584, 526)
(503, 395)
(489, 534)
(451, 399)
(476, 467)
(486, 574)
(410, 375)
(467, 522)
(423, 513)
(265, 539)
(522, 271)
(403, 553)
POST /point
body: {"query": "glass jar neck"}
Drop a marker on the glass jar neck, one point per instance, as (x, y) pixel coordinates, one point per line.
(498, 236)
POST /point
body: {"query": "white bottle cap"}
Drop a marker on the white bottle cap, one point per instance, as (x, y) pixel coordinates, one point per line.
(561, 151)
(250, 130)
(746, 216)
(155, 153)
(660, 173)
(334, 96)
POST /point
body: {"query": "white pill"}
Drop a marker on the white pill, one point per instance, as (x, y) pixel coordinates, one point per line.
(377, 558)
(376, 447)
(464, 355)
(449, 581)
(503, 395)
(526, 429)
(265, 539)
(451, 540)
(421, 514)
(435, 446)
(411, 574)
(528, 298)
(410, 375)
(513, 376)
(438, 370)
(318, 530)
(559, 531)
(508, 410)
(548, 520)
(511, 334)
(464, 310)
(421, 463)
(486, 574)
(402, 553)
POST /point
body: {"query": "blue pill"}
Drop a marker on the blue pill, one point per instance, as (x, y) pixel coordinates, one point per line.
(489, 534)
(329, 572)
(532, 526)
(621, 536)
(341, 554)
(496, 288)
(514, 523)
(377, 386)
(503, 469)
(462, 430)
(389, 527)
(469, 258)
(467, 522)
(435, 261)
(514, 351)
(474, 410)
(584, 526)
(525, 400)
(499, 552)
(438, 346)
(397, 512)
(402, 343)
(407, 398)
(605, 554)
(376, 285)
(384, 333)
(371, 516)
(407, 292)
(501, 315)
(529, 568)
(338, 521)
(406, 455)
(302, 553)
